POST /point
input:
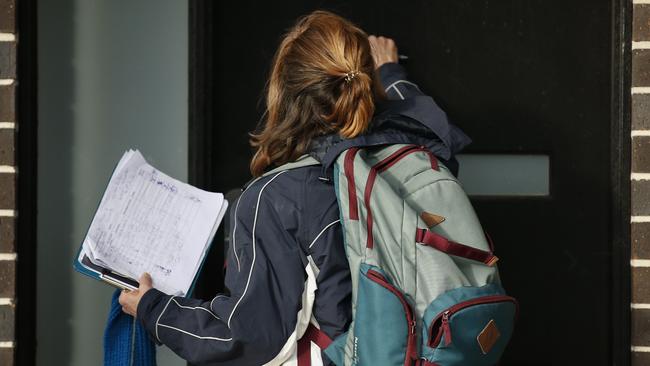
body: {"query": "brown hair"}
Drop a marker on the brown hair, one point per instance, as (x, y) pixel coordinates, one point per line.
(322, 80)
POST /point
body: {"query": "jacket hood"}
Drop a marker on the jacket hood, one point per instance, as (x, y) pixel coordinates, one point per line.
(417, 120)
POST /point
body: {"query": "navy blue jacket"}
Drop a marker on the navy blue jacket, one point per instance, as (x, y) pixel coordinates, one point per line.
(280, 222)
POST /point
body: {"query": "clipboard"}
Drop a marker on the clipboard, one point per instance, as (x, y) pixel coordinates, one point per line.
(85, 266)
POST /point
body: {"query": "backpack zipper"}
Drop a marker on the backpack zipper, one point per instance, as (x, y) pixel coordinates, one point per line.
(411, 352)
(380, 167)
(444, 327)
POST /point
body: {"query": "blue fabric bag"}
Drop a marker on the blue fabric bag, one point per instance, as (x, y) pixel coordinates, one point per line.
(126, 342)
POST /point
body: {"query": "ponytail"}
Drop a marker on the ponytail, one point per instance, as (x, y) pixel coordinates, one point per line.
(322, 81)
(355, 105)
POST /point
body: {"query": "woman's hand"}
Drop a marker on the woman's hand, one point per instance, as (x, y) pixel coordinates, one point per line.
(383, 50)
(130, 299)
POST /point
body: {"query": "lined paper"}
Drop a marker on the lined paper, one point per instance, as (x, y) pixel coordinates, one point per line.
(150, 222)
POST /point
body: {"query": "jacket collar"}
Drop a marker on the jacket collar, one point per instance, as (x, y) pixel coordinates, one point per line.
(417, 120)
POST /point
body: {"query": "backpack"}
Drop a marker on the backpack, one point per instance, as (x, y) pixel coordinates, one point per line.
(425, 287)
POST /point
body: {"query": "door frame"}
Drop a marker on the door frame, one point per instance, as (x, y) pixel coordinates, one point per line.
(26, 182)
(620, 197)
(201, 140)
(201, 92)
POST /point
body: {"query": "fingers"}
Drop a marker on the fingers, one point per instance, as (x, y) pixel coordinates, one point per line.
(145, 281)
(383, 50)
(122, 298)
(128, 310)
(129, 299)
(381, 41)
(126, 300)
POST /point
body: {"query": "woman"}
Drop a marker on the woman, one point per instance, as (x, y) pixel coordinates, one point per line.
(331, 87)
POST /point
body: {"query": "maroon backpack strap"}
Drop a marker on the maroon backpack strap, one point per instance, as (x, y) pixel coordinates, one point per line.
(312, 334)
(348, 165)
(489, 239)
(445, 245)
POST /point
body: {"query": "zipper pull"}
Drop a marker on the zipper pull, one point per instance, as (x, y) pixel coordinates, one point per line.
(411, 348)
(446, 329)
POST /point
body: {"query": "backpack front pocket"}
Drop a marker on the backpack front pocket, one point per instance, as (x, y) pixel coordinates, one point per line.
(469, 326)
(384, 326)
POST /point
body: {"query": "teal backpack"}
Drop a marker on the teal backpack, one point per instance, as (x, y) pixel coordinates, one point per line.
(425, 287)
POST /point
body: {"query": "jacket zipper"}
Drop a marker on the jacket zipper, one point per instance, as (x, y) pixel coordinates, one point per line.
(411, 352)
(443, 318)
(380, 167)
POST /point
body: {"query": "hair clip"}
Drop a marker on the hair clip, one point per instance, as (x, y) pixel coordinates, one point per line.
(351, 75)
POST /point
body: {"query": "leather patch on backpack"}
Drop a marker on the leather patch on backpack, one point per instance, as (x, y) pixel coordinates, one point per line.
(431, 219)
(488, 337)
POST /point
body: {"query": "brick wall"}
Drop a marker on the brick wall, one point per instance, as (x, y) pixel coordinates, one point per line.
(641, 183)
(7, 179)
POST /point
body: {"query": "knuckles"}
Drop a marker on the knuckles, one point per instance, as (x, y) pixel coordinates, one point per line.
(382, 40)
(123, 298)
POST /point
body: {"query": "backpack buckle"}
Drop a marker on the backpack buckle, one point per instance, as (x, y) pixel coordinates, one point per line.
(492, 261)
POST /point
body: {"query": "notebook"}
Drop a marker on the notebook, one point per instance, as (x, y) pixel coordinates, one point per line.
(150, 222)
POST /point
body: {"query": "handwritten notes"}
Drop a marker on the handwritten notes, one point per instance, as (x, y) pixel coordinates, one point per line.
(150, 222)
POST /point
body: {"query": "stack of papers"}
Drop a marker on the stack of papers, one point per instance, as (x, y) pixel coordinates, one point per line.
(150, 222)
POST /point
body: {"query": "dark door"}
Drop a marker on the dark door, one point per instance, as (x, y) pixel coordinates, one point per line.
(521, 78)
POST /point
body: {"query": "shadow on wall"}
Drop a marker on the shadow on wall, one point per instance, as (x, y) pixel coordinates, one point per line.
(113, 76)
(55, 94)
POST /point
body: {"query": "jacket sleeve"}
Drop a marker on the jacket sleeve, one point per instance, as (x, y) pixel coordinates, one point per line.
(397, 86)
(265, 277)
(393, 78)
